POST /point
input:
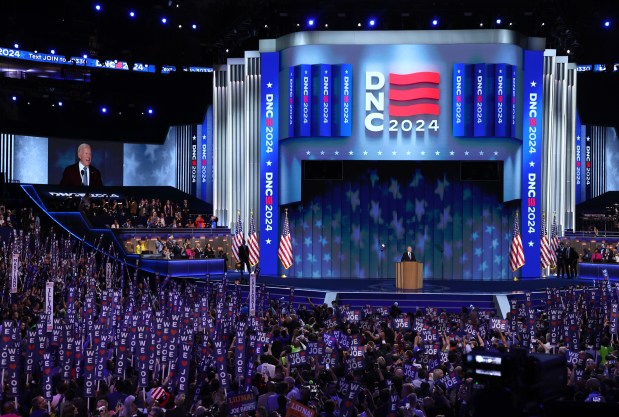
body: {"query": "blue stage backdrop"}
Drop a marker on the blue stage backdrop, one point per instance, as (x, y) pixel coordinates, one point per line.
(459, 229)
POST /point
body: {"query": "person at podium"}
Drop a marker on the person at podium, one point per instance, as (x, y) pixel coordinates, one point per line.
(408, 256)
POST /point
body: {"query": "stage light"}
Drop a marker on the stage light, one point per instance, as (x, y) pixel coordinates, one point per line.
(266, 26)
(14, 98)
(60, 104)
(16, 46)
(607, 23)
(498, 21)
(98, 7)
(180, 26)
(164, 20)
(53, 51)
(85, 56)
(150, 111)
(36, 52)
(372, 22)
(543, 24)
(131, 13)
(435, 22)
(510, 23)
(359, 24)
(481, 25)
(326, 25)
(310, 22)
(298, 25)
(194, 26)
(227, 50)
(104, 109)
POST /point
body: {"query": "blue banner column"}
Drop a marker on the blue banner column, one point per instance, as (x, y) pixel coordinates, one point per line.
(269, 163)
(532, 137)
(578, 151)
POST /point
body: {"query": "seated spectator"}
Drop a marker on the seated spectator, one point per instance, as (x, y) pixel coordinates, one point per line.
(199, 222)
(597, 256)
(586, 255)
(140, 247)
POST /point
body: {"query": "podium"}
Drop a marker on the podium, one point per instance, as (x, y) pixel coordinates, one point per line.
(409, 275)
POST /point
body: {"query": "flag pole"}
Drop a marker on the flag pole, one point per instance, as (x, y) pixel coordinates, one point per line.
(286, 213)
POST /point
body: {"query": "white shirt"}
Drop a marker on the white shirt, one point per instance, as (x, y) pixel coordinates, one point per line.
(86, 173)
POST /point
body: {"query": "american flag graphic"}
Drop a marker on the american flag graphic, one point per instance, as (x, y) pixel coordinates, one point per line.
(554, 239)
(516, 251)
(252, 242)
(285, 245)
(238, 238)
(414, 94)
(546, 252)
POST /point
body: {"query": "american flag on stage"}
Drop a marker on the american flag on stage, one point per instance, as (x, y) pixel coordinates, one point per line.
(554, 240)
(516, 251)
(285, 245)
(238, 238)
(546, 252)
(252, 242)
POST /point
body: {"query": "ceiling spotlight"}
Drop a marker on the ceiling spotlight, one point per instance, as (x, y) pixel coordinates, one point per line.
(14, 98)
(266, 26)
(53, 51)
(227, 50)
(568, 51)
(607, 23)
(164, 20)
(16, 46)
(98, 7)
(543, 24)
(372, 22)
(298, 25)
(310, 22)
(180, 26)
(103, 109)
(194, 26)
(131, 13)
(359, 24)
(85, 56)
(60, 104)
(435, 22)
(510, 23)
(498, 21)
(326, 25)
(150, 111)
(481, 25)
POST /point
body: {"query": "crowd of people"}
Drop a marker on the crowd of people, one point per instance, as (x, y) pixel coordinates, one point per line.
(151, 346)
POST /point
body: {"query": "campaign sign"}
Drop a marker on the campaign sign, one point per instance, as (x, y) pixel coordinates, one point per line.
(241, 403)
(462, 100)
(315, 348)
(450, 380)
(322, 99)
(303, 100)
(402, 322)
(292, 116)
(498, 324)
(297, 359)
(513, 110)
(296, 409)
(483, 84)
(353, 316)
(410, 371)
(342, 100)
(614, 318)
(502, 105)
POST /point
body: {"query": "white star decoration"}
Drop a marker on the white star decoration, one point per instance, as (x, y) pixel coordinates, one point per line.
(437, 153)
(451, 153)
(466, 153)
(393, 153)
(269, 163)
(268, 241)
(308, 152)
(337, 152)
(322, 152)
(531, 243)
(496, 153)
(408, 152)
(380, 152)
(532, 163)
(365, 152)
(533, 84)
(350, 152)
(269, 85)
(481, 153)
(423, 152)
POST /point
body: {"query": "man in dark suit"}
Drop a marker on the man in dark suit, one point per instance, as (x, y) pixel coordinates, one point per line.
(244, 257)
(561, 261)
(408, 256)
(82, 173)
(571, 258)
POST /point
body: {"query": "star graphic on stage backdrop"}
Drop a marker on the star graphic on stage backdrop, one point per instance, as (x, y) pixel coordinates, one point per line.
(269, 163)
(423, 152)
(380, 152)
(337, 152)
(269, 85)
(408, 152)
(533, 84)
(481, 153)
(393, 153)
(350, 152)
(437, 153)
(496, 153)
(466, 153)
(268, 241)
(531, 244)
(322, 152)
(365, 153)
(532, 163)
(308, 152)
(451, 153)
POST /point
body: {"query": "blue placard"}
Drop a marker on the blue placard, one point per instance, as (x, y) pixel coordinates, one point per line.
(303, 100)
(269, 162)
(462, 100)
(322, 111)
(482, 93)
(588, 164)
(514, 102)
(532, 161)
(291, 102)
(502, 105)
(578, 160)
(342, 100)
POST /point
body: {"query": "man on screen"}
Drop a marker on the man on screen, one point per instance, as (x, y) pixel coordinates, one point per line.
(408, 256)
(82, 173)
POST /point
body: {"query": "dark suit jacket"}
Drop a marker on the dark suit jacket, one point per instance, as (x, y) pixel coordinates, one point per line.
(244, 253)
(405, 257)
(72, 176)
